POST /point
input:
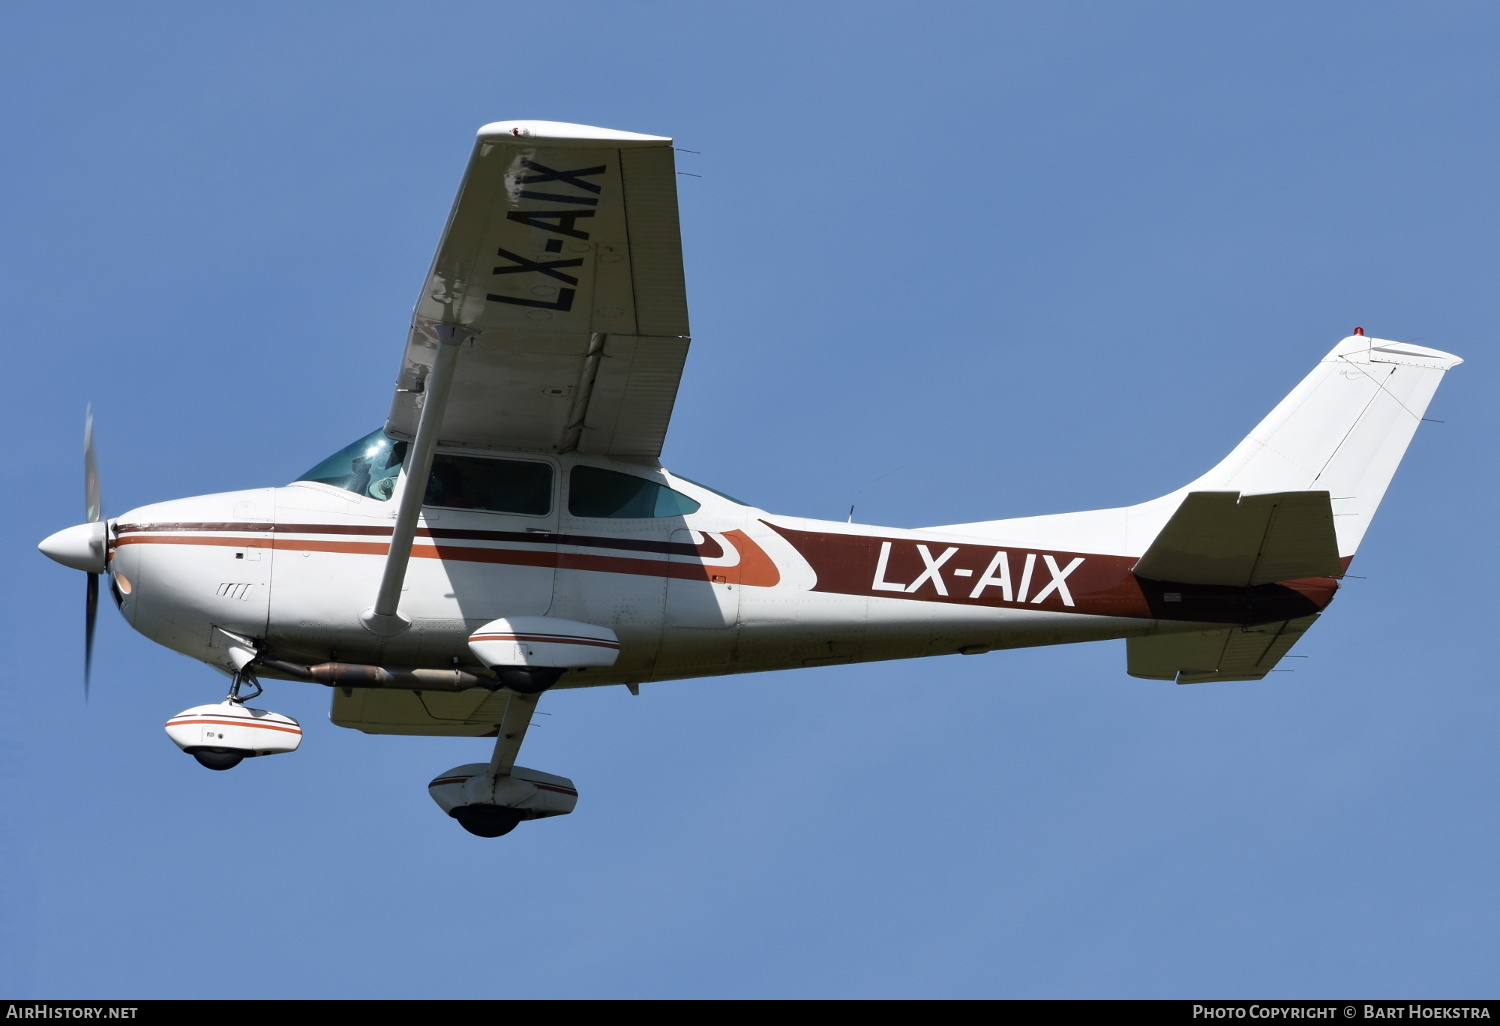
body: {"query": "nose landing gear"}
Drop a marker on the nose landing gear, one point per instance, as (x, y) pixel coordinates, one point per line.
(241, 678)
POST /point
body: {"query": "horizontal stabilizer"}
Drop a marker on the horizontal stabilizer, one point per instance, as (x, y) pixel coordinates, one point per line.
(1237, 653)
(1241, 540)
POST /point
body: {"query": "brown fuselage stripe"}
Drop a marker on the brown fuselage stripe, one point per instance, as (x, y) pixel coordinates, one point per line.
(540, 787)
(754, 569)
(551, 787)
(1099, 585)
(553, 639)
(1103, 585)
(709, 548)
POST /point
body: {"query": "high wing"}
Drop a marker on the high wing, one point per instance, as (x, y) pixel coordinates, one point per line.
(564, 257)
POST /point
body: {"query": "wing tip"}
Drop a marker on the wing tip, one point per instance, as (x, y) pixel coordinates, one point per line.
(560, 133)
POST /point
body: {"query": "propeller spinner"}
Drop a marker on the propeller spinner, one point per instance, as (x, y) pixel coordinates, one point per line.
(83, 546)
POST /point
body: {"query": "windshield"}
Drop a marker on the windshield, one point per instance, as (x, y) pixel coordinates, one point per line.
(367, 467)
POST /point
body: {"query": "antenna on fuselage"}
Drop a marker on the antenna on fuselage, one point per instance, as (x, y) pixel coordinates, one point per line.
(861, 492)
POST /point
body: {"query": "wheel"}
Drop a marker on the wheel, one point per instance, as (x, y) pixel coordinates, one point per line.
(527, 680)
(217, 758)
(487, 820)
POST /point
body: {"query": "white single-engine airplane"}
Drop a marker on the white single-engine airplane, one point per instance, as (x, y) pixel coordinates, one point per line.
(545, 546)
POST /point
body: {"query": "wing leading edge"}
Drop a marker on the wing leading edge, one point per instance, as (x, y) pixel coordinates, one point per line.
(563, 254)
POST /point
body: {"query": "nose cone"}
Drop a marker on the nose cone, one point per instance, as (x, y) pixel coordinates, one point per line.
(80, 547)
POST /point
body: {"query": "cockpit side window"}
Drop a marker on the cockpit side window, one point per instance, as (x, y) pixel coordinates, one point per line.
(489, 484)
(593, 492)
(369, 467)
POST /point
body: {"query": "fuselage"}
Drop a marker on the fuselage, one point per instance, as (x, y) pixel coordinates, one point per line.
(725, 588)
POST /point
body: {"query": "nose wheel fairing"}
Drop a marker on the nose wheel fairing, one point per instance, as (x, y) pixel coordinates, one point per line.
(222, 734)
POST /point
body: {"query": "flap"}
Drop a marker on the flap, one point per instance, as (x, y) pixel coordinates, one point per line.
(1236, 653)
(391, 711)
(1241, 540)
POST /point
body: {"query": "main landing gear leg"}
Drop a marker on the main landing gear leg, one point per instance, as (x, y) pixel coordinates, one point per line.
(493, 820)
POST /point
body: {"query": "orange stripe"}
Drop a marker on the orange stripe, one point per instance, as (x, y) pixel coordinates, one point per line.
(708, 548)
(755, 568)
(199, 539)
(236, 723)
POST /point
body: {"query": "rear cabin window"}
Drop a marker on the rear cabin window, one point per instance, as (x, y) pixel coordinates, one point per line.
(490, 485)
(367, 467)
(605, 493)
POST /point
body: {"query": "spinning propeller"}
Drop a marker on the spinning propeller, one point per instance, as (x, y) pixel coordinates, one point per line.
(93, 509)
(83, 547)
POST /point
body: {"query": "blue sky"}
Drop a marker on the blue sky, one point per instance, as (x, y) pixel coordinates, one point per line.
(948, 261)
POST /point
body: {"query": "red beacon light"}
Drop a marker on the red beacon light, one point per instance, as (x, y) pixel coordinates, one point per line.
(1359, 331)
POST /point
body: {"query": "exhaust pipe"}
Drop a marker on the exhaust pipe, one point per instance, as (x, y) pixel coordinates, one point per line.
(363, 675)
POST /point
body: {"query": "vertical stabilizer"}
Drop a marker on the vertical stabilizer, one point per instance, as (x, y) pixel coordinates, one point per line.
(1343, 431)
(1340, 433)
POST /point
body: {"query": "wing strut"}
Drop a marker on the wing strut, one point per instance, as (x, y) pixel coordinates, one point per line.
(382, 618)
